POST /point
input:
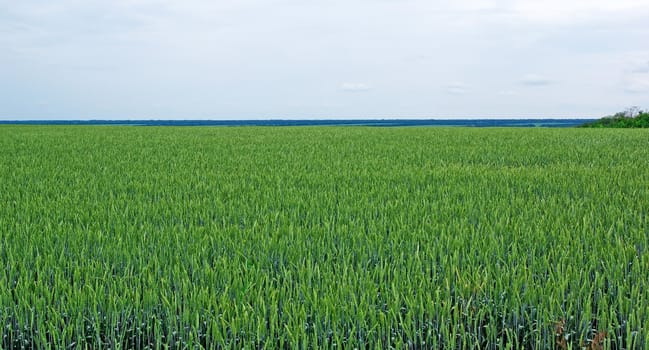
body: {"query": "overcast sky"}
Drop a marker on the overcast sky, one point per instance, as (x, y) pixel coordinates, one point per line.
(249, 59)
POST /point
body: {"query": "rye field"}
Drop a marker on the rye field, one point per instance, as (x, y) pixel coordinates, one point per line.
(323, 238)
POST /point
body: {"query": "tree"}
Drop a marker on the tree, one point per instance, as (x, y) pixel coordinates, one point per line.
(632, 117)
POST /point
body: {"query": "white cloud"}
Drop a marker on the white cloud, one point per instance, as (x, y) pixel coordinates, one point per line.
(354, 87)
(637, 84)
(561, 11)
(641, 68)
(212, 58)
(457, 88)
(535, 80)
(635, 79)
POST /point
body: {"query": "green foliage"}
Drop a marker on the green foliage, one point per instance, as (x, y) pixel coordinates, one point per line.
(323, 237)
(637, 119)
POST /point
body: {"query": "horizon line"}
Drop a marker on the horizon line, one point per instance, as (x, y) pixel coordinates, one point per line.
(3, 120)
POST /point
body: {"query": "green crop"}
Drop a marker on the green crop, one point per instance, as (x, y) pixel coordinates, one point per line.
(323, 237)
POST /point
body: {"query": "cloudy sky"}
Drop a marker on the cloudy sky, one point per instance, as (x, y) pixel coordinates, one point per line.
(249, 59)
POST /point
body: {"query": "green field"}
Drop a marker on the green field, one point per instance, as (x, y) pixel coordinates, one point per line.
(323, 237)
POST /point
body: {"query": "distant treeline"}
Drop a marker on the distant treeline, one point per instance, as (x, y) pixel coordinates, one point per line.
(631, 118)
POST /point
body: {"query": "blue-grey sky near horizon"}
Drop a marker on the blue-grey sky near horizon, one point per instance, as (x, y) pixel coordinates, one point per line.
(297, 59)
